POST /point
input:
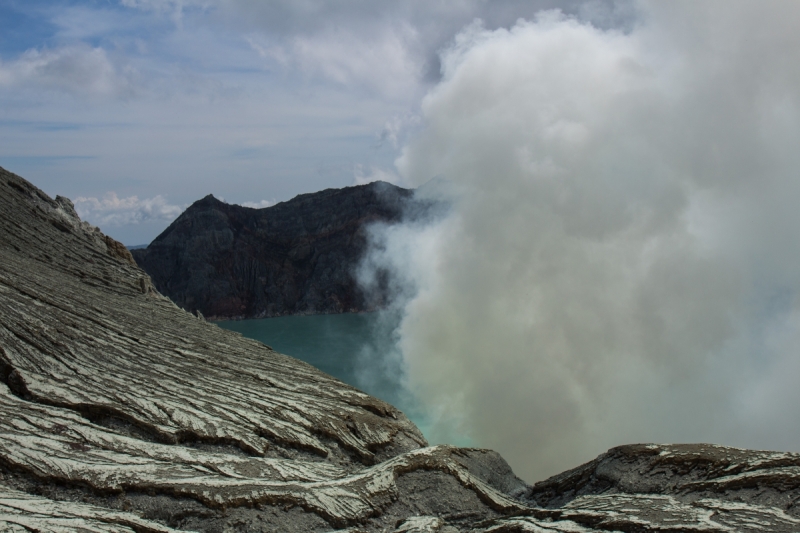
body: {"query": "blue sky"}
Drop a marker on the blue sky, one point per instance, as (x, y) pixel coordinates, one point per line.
(136, 108)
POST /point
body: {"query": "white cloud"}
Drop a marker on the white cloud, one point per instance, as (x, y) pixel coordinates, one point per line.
(621, 264)
(259, 205)
(112, 211)
(165, 5)
(174, 8)
(363, 175)
(77, 69)
(389, 48)
(385, 61)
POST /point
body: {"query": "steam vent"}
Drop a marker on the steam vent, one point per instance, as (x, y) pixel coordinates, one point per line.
(121, 412)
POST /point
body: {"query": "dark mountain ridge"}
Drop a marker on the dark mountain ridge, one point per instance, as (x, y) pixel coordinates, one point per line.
(296, 257)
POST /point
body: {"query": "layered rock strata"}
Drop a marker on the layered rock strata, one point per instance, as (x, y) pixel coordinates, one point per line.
(296, 257)
(120, 412)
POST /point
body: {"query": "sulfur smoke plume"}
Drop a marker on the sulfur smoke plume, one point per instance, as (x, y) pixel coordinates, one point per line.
(622, 260)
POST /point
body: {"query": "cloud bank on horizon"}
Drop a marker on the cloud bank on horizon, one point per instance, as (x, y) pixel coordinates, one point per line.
(112, 211)
(622, 261)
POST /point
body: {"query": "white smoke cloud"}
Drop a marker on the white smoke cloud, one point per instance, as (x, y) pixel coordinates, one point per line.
(398, 128)
(112, 211)
(621, 264)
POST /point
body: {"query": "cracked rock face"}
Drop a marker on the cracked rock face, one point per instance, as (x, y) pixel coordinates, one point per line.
(121, 412)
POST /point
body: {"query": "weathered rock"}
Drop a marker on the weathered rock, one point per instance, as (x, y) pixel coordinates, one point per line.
(296, 257)
(686, 471)
(687, 487)
(113, 396)
(121, 412)
(635, 513)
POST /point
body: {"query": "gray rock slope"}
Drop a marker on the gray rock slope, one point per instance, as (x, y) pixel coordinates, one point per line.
(120, 412)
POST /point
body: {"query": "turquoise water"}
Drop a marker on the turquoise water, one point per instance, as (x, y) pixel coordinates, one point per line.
(357, 348)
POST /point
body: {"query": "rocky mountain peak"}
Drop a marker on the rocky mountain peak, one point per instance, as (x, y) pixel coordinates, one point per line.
(296, 257)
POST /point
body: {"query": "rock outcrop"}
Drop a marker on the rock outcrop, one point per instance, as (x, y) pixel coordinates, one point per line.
(296, 257)
(120, 412)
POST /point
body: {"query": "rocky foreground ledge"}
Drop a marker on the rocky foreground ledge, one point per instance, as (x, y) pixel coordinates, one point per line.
(121, 412)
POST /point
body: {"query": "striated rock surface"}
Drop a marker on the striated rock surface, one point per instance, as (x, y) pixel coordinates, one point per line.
(296, 257)
(120, 412)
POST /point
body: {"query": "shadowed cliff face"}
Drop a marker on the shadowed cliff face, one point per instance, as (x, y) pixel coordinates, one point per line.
(297, 257)
(120, 412)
